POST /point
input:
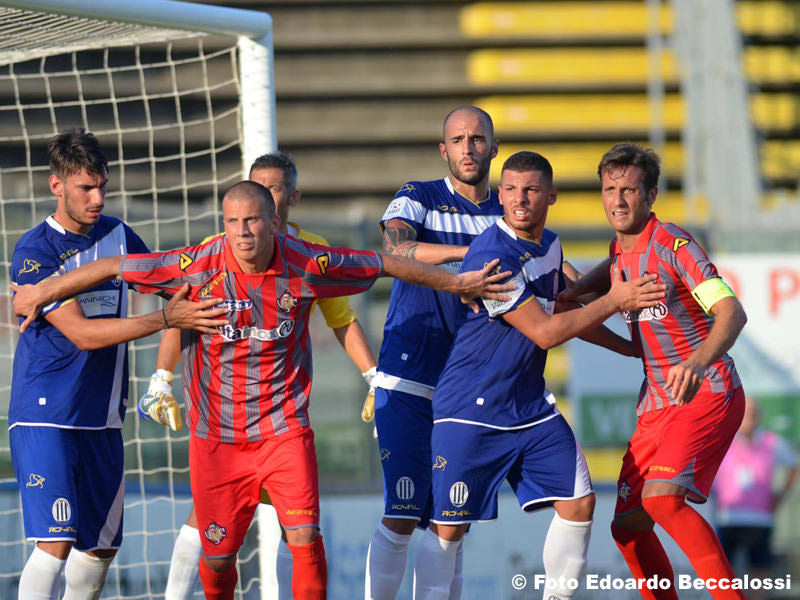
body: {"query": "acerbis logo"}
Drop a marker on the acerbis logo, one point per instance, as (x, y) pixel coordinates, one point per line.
(233, 334)
(404, 488)
(459, 494)
(62, 511)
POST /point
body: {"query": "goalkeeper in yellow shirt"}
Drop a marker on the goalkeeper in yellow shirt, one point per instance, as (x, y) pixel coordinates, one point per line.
(278, 173)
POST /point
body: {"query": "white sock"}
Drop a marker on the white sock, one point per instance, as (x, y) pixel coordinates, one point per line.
(564, 554)
(184, 566)
(434, 568)
(85, 575)
(284, 567)
(41, 576)
(386, 563)
(458, 575)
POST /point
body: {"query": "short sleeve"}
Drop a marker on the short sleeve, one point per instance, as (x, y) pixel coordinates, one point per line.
(691, 262)
(337, 311)
(31, 265)
(408, 206)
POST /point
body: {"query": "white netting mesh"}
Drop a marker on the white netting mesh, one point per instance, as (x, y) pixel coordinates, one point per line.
(168, 117)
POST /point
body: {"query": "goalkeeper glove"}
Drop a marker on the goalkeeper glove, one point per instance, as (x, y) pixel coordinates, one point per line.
(368, 412)
(158, 404)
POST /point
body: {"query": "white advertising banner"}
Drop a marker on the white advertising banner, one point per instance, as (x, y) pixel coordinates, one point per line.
(767, 353)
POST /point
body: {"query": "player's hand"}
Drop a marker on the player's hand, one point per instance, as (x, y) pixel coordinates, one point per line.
(27, 303)
(201, 315)
(368, 412)
(636, 294)
(483, 284)
(684, 381)
(158, 404)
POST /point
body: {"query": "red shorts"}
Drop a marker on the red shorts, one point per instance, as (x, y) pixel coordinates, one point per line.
(683, 445)
(227, 481)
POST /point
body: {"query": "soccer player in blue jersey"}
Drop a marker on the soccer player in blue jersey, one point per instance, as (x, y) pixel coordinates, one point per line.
(493, 417)
(434, 222)
(70, 381)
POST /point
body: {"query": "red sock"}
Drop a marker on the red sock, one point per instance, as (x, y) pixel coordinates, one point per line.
(646, 559)
(218, 586)
(695, 537)
(310, 572)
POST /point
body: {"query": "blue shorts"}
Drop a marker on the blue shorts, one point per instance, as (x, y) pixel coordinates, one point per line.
(72, 484)
(543, 463)
(404, 423)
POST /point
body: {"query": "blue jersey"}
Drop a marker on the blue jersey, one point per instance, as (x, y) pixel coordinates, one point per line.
(495, 375)
(421, 322)
(54, 383)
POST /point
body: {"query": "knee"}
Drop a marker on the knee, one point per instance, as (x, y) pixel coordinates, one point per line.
(220, 565)
(661, 508)
(579, 509)
(623, 526)
(303, 536)
(401, 526)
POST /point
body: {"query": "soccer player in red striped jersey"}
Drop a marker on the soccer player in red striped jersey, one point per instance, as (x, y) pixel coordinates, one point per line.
(247, 386)
(691, 402)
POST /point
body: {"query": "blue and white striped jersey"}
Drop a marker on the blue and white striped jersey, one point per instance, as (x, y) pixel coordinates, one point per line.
(421, 322)
(495, 375)
(54, 383)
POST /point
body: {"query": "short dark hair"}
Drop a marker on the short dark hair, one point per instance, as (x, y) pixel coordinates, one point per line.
(75, 150)
(526, 160)
(628, 154)
(278, 160)
(254, 190)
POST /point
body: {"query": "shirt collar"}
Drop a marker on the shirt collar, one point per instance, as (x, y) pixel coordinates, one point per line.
(642, 241)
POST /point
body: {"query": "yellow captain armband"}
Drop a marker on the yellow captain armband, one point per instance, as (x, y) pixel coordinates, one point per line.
(710, 292)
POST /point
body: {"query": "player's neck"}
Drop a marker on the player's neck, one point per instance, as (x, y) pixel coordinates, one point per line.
(474, 193)
(70, 225)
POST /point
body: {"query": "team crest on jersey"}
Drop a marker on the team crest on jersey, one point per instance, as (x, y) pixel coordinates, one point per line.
(323, 262)
(185, 261)
(624, 491)
(679, 243)
(651, 313)
(385, 454)
(30, 266)
(407, 187)
(35, 481)
(496, 271)
(440, 463)
(215, 533)
(459, 492)
(287, 302)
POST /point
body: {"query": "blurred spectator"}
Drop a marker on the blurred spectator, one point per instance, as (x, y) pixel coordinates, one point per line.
(745, 492)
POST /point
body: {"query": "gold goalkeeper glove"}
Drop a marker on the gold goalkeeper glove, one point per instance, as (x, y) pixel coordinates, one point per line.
(158, 404)
(368, 412)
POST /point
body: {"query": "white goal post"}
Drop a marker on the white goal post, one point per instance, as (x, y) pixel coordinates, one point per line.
(181, 97)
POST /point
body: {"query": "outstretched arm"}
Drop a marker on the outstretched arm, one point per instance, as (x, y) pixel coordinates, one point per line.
(548, 331)
(470, 284)
(400, 239)
(684, 380)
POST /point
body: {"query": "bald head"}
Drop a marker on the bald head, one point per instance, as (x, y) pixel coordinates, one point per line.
(474, 111)
(251, 191)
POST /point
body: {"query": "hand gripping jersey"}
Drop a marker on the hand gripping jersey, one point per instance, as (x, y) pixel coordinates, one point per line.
(495, 375)
(252, 380)
(54, 383)
(668, 333)
(421, 322)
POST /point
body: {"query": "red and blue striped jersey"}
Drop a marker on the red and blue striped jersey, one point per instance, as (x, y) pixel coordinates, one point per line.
(668, 333)
(252, 379)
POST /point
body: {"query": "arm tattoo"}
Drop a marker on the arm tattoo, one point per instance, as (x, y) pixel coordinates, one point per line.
(398, 239)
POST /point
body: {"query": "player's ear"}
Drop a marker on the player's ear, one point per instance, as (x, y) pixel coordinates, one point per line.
(294, 198)
(56, 185)
(495, 145)
(651, 195)
(553, 195)
(443, 150)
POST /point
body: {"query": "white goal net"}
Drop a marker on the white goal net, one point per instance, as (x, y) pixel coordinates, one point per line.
(178, 108)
